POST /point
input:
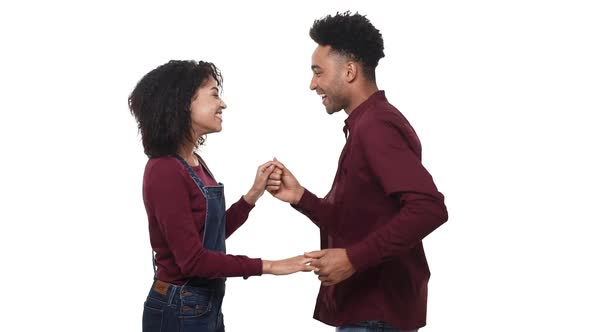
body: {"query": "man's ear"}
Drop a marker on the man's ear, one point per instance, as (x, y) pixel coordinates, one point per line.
(352, 71)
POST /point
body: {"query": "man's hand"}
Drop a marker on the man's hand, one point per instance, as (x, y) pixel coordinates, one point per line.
(283, 185)
(331, 265)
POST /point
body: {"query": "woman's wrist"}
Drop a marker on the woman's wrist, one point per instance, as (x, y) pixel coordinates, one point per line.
(252, 196)
(266, 266)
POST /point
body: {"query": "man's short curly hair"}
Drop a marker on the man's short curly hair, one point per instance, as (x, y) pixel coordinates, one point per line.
(351, 35)
(161, 104)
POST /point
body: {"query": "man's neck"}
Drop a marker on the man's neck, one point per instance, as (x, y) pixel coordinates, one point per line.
(361, 96)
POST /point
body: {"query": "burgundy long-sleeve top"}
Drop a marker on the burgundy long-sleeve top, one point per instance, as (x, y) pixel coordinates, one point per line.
(383, 202)
(176, 211)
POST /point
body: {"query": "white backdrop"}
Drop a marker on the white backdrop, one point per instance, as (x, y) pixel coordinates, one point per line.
(497, 92)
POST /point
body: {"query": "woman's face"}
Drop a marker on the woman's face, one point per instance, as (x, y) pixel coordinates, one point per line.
(206, 109)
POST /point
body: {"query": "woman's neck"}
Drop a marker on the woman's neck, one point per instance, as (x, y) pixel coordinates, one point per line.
(187, 153)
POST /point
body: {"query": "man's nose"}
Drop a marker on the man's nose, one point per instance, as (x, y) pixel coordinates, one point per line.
(313, 85)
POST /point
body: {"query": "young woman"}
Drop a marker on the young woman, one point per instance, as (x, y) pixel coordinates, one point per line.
(175, 105)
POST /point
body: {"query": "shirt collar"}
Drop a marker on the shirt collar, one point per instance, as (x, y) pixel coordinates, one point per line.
(357, 112)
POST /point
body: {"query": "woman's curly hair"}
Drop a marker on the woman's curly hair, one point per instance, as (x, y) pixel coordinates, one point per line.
(161, 103)
(351, 35)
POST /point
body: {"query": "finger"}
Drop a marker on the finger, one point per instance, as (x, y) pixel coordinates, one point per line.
(263, 176)
(272, 188)
(316, 270)
(266, 164)
(315, 254)
(266, 169)
(279, 164)
(307, 268)
(272, 182)
(307, 261)
(275, 176)
(303, 263)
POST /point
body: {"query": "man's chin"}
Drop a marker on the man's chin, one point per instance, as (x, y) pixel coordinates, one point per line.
(332, 110)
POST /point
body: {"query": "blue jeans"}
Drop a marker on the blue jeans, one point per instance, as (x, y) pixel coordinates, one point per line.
(370, 326)
(175, 308)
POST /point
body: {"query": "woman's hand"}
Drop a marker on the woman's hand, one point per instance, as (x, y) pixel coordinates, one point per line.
(287, 266)
(260, 181)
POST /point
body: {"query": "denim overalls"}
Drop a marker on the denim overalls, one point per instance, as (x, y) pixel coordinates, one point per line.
(196, 305)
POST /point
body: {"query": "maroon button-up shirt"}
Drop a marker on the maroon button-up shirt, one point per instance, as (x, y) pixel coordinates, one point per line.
(383, 202)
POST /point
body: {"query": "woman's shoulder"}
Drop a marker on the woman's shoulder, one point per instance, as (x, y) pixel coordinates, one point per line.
(167, 166)
(165, 178)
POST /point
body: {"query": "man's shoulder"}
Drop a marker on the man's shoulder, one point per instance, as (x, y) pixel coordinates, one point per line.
(387, 122)
(382, 113)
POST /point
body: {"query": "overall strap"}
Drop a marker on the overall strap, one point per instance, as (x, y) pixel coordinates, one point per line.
(193, 175)
(202, 163)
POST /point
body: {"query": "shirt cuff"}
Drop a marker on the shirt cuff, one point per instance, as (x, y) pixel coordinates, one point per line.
(243, 205)
(360, 256)
(255, 269)
(307, 201)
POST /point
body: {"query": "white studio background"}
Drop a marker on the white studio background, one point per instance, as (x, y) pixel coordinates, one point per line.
(497, 91)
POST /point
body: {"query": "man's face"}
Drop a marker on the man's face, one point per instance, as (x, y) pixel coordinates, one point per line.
(328, 80)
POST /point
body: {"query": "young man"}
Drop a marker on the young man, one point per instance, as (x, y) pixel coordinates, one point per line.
(383, 201)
